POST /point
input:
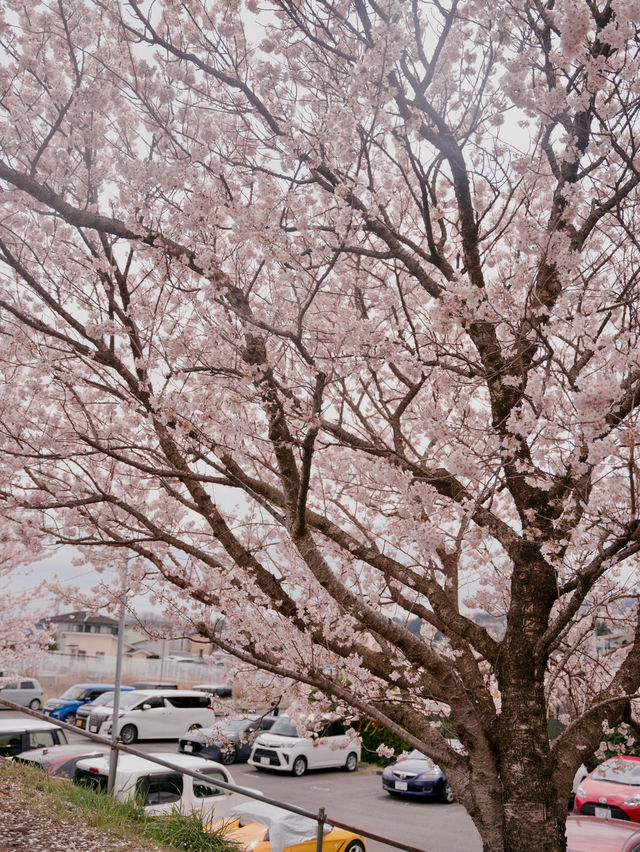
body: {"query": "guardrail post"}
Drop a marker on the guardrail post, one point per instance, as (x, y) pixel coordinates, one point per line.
(321, 821)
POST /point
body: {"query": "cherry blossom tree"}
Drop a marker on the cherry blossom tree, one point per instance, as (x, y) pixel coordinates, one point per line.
(327, 311)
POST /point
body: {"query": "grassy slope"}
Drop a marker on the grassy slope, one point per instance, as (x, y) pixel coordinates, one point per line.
(31, 789)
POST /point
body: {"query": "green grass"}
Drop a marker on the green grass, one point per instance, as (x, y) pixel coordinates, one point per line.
(127, 820)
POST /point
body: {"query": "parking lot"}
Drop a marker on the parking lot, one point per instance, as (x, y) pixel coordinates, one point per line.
(355, 798)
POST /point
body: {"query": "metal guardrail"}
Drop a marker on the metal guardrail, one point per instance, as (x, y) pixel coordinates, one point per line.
(321, 817)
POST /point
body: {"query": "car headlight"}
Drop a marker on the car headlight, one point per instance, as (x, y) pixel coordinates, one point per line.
(429, 775)
(580, 791)
(633, 800)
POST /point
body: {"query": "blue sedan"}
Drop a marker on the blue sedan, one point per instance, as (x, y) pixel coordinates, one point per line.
(417, 775)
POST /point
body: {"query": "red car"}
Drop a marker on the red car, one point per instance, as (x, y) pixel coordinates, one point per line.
(60, 761)
(586, 834)
(612, 790)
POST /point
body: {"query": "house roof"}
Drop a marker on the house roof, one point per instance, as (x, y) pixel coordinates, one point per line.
(81, 617)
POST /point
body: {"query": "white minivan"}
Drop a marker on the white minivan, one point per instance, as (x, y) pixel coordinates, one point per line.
(284, 749)
(163, 714)
(161, 790)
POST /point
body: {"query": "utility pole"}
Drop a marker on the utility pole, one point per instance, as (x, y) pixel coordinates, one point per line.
(113, 762)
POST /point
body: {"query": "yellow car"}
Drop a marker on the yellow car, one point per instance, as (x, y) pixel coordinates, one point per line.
(259, 827)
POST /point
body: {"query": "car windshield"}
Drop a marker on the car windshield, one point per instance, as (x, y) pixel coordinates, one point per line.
(237, 725)
(414, 754)
(128, 699)
(104, 700)
(284, 727)
(618, 771)
(74, 693)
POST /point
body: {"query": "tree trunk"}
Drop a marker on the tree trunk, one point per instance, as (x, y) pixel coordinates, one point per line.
(533, 817)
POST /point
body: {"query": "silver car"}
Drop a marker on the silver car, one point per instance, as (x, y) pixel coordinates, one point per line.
(21, 690)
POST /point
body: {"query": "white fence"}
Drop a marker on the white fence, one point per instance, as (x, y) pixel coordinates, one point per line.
(55, 665)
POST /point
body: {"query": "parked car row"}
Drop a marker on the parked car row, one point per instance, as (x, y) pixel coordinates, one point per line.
(228, 742)
(607, 804)
(250, 824)
(27, 692)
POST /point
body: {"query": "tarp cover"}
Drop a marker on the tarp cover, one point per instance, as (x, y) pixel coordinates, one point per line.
(285, 828)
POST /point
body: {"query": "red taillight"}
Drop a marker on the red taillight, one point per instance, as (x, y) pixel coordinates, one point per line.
(93, 769)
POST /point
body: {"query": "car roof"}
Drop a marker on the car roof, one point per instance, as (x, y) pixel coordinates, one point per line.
(95, 685)
(133, 763)
(223, 722)
(630, 757)
(64, 751)
(17, 677)
(171, 693)
(8, 726)
(67, 748)
(586, 833)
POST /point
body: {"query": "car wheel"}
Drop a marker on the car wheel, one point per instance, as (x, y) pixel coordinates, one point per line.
(227, 756)
(70, 719)
(351, 763)
(34, 704)
(355, 846)
(299, 766)
(447, 794)
(129, 734)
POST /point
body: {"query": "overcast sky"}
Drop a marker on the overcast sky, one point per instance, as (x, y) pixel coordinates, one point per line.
(31, 579)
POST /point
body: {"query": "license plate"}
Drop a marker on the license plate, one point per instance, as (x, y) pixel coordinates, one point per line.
(402, 785)
(187, 747)
(265, 761)
(603, 813)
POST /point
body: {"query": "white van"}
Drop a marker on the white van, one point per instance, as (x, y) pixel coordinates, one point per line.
(163, 714)
(282, 748)
(161, 790)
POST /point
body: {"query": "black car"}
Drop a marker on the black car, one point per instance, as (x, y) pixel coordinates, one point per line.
(228, 741)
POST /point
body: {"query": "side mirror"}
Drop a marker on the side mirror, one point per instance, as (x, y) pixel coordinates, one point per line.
(146, 707)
